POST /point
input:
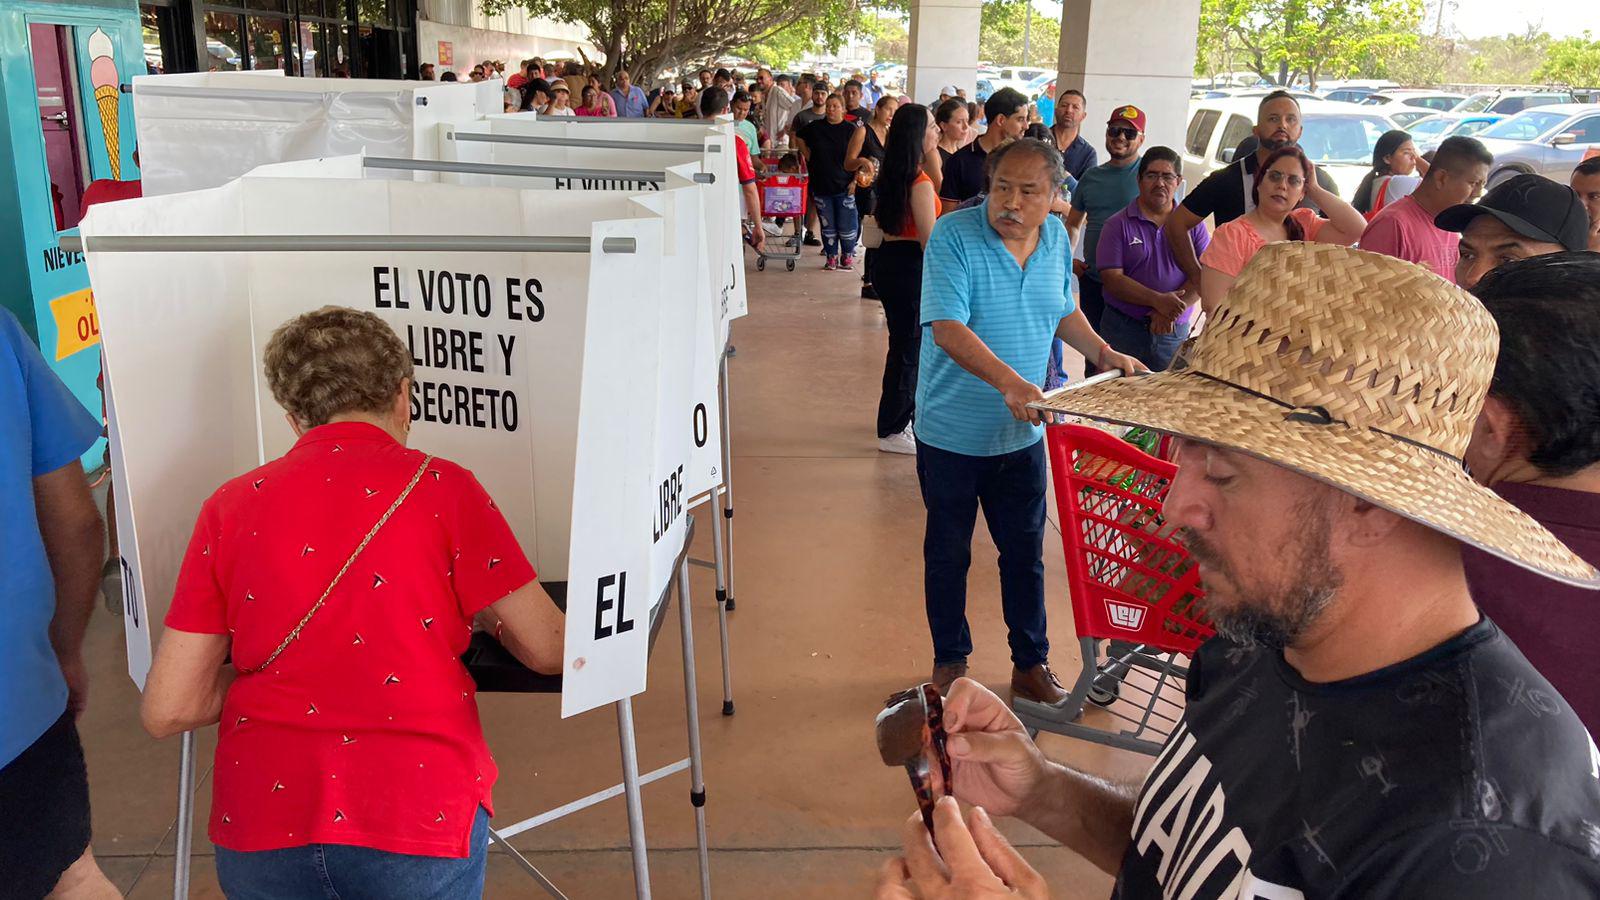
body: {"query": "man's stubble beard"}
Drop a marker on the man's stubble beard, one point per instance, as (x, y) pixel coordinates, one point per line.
(1275, 616)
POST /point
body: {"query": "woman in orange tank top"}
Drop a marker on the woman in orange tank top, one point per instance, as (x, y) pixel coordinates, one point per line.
(906, 208)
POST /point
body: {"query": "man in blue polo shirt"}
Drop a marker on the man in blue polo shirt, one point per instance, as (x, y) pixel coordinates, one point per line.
(1147, 313)
(50, 558)
(995, 290)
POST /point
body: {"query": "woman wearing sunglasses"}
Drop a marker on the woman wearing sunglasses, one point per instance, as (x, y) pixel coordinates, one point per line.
(1282, 183)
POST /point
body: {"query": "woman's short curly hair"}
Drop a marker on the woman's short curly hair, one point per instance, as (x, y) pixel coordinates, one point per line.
(335, 360)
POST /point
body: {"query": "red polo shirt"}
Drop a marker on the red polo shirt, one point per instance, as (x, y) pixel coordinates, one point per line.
(365, 730)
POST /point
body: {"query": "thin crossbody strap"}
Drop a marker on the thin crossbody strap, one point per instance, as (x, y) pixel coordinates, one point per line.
(295, 633)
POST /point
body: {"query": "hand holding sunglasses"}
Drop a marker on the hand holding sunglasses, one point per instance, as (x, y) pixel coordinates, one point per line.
(910, 729)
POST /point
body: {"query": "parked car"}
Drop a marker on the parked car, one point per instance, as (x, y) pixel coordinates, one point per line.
(1441, 101)
(1405, 117)
(1338, 137)
(1038, 86)
(1428, 133)
(1545, 140)
(1349, 95)
(985, 89)
(1511, 102)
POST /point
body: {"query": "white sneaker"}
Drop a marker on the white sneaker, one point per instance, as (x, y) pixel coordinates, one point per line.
(904, 442)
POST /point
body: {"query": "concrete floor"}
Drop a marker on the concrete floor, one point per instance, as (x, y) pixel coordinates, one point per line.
(829, 621)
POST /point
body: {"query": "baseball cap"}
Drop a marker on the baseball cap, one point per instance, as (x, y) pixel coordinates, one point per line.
(1127, 115)
(1531, 205)
(948, 90)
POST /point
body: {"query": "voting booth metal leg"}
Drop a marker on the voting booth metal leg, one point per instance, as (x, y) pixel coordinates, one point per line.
(691, 708)
(722, 598)
(727, 471)
(630, 790)
(185, 830)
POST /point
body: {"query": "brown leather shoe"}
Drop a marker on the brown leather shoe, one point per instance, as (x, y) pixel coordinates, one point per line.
(945, 674)
(1038, 684)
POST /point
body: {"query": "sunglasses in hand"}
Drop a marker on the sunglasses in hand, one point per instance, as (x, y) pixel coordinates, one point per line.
(910, 728)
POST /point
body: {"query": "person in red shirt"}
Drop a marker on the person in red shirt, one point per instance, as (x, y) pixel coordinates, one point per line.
(319, 616)
(714, 102)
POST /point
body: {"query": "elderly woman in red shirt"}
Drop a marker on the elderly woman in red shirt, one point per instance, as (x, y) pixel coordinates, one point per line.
(344, 579)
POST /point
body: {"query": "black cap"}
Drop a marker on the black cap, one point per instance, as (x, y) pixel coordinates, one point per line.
(1532, 206)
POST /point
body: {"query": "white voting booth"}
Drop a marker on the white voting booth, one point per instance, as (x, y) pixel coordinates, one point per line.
(202, 130)
(583, 305)
(489, 152)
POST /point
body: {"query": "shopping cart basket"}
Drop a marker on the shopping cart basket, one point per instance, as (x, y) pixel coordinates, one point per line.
(1132, 586)
(783, 199)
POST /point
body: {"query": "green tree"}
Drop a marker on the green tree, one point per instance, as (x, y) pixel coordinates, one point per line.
(1287, 40)
(646, 36)
(1572, 61)
(1005, 24)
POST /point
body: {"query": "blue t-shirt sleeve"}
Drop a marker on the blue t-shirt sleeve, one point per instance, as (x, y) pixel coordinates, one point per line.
(62, 429)
(945, 283)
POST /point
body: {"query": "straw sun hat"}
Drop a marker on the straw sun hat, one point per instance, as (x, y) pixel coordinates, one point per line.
(1358, 370)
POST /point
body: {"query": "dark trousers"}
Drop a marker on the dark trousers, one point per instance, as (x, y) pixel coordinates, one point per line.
(1132, 336)
(1092, 300)
(899, 284)
(1011, 490)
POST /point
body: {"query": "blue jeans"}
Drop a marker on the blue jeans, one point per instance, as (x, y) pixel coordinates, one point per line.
(341, 872)
(840, 224)
(1132, 336)
(1011, 489)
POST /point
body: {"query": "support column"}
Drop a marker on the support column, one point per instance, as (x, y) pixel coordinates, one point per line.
(1111, 52)
(943, 42)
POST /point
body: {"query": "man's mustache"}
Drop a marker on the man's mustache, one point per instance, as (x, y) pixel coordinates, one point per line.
(1009, 216)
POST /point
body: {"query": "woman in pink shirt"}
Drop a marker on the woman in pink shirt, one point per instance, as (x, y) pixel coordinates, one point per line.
(591, 103)
(1281, 183)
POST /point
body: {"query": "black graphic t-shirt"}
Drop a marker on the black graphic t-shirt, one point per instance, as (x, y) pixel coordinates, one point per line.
(1457, 774)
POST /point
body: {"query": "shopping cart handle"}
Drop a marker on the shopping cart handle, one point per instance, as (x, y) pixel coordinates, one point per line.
(1107, 375)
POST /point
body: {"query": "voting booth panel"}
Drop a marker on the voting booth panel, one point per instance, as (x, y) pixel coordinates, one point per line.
(526, 363)
(587, 150)
(205, 129)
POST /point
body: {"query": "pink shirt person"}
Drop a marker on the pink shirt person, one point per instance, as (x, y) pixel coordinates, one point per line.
(1405, 230)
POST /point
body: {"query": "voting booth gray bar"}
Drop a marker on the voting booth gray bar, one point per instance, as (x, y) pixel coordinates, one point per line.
(466, 168)
(552, 141)
(301, 243)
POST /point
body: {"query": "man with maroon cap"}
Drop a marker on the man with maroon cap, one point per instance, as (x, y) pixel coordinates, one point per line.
(1104, 191)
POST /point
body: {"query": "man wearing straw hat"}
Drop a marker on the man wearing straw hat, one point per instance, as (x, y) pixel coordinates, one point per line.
(1357, 728)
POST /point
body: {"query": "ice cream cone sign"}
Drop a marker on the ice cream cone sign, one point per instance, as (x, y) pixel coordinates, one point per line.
(107, 94)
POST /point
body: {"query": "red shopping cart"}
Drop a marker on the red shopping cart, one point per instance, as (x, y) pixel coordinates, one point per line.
(1133, 588)
(783, 199)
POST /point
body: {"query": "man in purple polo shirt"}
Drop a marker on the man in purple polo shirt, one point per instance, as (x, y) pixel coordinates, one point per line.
(1147, 313)
(1537, 444)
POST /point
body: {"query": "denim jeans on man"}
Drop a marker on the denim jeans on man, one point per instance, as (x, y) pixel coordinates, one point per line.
(342, 872)
(1011, 490)
(1132, 336)
(971, 451)
(840, 223)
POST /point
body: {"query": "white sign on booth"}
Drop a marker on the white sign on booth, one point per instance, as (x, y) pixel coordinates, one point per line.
(532, 365)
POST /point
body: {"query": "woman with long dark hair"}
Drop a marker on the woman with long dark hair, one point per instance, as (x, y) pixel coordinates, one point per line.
(954, 127)
(865, 158)
(907, 206)
(1285, 179)
(1393, 154)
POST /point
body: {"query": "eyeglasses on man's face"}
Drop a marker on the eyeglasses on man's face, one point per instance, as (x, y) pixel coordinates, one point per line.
(1167, 178)
(1122, 131)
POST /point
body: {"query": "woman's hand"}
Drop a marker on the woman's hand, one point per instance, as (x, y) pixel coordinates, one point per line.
(973, 861)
